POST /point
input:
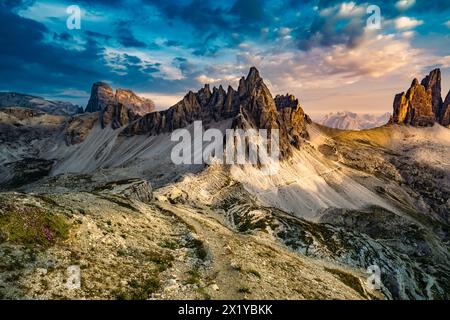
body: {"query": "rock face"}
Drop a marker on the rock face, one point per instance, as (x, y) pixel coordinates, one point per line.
(24, 171)
(203, 105)
(433, 82)
(101, 95)
(415, 107)
(59, 108)
(130, 100)
(251, 106)
(445, 111)
(292, 118)
(78, 127)
(117, 109)
(136, 189)
(422, 105)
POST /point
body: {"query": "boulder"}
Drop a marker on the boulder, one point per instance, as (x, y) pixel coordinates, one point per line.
(135, 189)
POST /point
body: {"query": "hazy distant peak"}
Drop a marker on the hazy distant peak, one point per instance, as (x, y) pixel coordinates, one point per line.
(347, 120)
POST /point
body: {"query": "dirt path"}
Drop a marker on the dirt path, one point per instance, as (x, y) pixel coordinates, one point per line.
(251, 266)
(220, 270)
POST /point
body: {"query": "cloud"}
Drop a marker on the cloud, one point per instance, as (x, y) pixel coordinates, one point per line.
(406, 23)
(166, 46)
(125, 35)
(374, 57)
(405, 4)
(447, 23)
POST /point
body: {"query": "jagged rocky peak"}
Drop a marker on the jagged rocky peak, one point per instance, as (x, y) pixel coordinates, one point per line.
(290, 110)
(101, 95)
(422, 105)
(433, 82)
(287, 101)
(444, 117)
(130, 100)
(258, 106)
(415, 107)
(119, 108)
(251, 106)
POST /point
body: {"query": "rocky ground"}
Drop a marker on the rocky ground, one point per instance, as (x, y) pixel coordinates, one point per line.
(130, 249)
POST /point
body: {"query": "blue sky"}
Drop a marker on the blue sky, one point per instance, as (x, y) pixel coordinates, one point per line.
(321, 51)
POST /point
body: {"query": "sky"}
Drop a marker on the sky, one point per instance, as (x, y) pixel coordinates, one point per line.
(325, 52)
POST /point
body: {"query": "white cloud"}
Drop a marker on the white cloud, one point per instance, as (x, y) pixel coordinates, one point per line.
(408, 34)
(374, 57)
(205, 79)
(405, 4)
(344, 10)
(407, 23)
(447, 23)
(350, 9)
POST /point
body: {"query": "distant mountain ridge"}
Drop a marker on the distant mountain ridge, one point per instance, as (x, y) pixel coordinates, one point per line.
(59, 108)
(346, 120)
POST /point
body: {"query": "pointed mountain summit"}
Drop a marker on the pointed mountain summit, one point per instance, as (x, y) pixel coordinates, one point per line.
(119, 108)
(444, 117)
(422, 104)
(101, 95)
(433, 82)
(251, 106)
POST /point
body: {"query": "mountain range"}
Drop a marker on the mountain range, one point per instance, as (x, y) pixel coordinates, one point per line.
(347, 120)
(11, 99)
(99, 190)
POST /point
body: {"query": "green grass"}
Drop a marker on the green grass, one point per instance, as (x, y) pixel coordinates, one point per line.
(162, 260)
(30, 225)
(172, 245)
(194, 277)
(140, 289)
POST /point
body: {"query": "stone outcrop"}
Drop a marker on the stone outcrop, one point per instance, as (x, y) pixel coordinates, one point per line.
(292, 118)
(140, 106)
(136, 189)
(18, 173)
(119, 108)
(78, 127)
(422, 104)
(251, 106)
(415, 107)
(101, 95)
(445, 111)
(433, 82)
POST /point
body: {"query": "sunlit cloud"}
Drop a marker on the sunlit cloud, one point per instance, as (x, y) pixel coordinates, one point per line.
(405, 4)
(407, 23)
